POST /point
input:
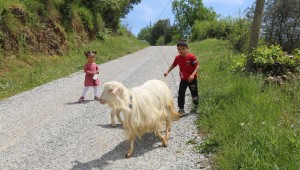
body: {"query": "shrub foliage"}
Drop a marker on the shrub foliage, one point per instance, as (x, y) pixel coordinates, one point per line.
(273, 61)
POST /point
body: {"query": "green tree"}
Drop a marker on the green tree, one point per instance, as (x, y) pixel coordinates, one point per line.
(129, 6)
(161, 28)
(111, 11)
(66, 13)
(145, 34)
(187, 12)
(281, 23)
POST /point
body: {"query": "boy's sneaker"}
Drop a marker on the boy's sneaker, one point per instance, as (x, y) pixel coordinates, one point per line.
(96, 98)
(181, 111)
(81, 100)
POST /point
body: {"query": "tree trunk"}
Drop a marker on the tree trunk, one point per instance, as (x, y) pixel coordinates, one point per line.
(255, 30)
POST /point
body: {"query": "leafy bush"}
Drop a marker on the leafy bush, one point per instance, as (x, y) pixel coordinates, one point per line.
(208, 29)
(160, 41)
(272, 60)
(239, 64)
(239, 35)
(236, 31)
(86, 16)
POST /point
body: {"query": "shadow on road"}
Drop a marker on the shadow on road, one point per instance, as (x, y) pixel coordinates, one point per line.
(84, 102)
(109, 126)
(147, 143)
(189, 114)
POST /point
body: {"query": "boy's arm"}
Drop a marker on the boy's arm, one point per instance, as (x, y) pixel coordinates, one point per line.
(170, 69)
(196, 70)
(192, 76)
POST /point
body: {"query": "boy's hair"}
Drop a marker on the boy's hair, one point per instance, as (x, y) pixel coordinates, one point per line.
(87, 53)
(182, 44)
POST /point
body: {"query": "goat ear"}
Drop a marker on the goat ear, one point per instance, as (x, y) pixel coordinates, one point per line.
(115, 90)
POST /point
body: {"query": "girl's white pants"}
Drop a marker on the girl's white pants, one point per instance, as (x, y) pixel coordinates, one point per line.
(86, 88)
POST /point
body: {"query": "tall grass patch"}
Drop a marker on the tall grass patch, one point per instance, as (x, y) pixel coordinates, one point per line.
(25, 72)
(244, 127)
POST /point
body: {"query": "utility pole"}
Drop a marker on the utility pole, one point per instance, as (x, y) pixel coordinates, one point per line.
(255, 31)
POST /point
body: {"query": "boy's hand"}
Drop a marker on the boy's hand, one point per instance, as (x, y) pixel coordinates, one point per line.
(191, 78)
(165, 74)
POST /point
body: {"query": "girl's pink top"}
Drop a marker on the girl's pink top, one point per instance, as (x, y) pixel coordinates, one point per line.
(92, 67)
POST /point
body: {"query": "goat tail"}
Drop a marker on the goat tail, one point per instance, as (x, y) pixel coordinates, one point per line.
(173, 113)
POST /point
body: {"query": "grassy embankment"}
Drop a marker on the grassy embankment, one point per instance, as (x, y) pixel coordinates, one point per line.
(22, 73)
(246, 127)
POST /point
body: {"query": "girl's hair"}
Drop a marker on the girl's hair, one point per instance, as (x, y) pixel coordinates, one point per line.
(87, 53)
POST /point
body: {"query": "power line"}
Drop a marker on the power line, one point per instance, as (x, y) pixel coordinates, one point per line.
(163, 10)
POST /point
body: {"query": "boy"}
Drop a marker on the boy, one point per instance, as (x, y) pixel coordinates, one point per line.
(188, 67)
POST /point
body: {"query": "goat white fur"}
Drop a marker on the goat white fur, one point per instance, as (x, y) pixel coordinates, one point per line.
(115, 107)
(145, 108)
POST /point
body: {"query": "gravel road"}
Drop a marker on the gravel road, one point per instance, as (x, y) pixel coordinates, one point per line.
(45, 128)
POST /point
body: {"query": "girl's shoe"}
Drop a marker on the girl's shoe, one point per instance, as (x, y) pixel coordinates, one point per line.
(81, 100)
(96, 98)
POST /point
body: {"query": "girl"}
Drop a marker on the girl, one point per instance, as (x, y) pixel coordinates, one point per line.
(91, 69)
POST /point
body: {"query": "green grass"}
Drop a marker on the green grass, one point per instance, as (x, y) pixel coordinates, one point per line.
(18, 74)
(245, 128)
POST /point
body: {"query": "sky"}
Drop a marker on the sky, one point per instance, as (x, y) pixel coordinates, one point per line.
(150, 11)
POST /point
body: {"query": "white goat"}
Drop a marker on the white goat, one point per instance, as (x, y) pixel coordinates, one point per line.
(115, 108)
(145, 108)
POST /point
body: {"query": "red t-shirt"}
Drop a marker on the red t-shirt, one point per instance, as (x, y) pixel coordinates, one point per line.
(186, 64)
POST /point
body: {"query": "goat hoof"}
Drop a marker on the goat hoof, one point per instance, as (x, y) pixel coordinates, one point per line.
(167, 138)
(128, 155)
(165, 144)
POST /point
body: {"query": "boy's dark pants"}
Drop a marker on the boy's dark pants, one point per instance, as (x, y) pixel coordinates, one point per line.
(194, 91)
